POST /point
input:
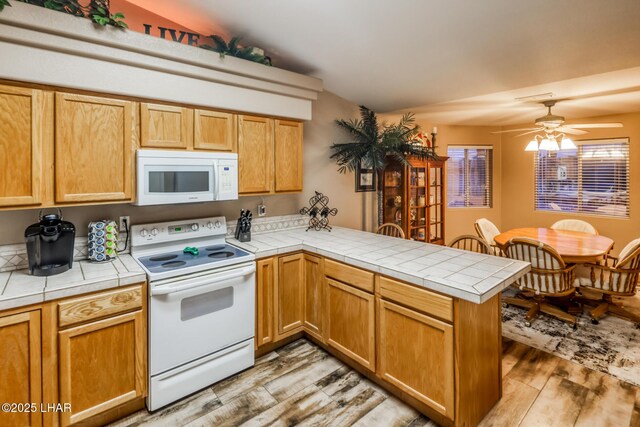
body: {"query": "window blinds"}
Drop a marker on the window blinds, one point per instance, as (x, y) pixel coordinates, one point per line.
(593, 179)
(469, 176)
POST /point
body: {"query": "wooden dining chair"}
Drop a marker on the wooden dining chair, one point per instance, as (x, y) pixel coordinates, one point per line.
(471, 243)
(487, 231)
(615, 277)
(390, 229)
(575, 225)
(549, 278)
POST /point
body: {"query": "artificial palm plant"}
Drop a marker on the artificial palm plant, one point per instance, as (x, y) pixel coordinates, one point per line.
(372, 144)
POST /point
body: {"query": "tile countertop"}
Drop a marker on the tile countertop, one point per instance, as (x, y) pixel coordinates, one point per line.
(19, 288)
(470, 276)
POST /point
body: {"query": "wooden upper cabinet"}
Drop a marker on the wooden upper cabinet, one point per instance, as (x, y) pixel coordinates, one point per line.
(288, 156)
(93, 149)
(255, 155)
(21, 367)
(415, 354)
(25, 126)
(102, 365)
(350, 320)
(165, 126)
(313, 295)
(265, 283)
(289, 295)
(214, 130)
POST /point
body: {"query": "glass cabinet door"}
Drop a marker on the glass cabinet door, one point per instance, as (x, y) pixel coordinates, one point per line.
(435, 208)
(417, 208)
(393, 194)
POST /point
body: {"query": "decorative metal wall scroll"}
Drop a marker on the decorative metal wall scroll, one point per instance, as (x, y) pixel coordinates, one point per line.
(319, 212)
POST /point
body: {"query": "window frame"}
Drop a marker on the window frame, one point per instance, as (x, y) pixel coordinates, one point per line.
(580, 201)
(466, 185)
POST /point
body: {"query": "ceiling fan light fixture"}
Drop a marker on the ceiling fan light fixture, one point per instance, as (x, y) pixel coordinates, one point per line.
(532, 146)
(548, 144)
(567, 144)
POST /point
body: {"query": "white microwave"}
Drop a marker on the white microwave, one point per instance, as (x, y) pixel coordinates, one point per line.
(168, 177)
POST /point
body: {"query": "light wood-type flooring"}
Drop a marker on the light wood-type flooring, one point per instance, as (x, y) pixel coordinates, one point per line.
(300, 384)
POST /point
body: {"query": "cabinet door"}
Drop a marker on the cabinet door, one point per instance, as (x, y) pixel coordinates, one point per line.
(289, 295)
(288, 156)
(214, 130)
(255, 155)
(351, 322)
(102, 365)
(313, 295)
(165, 126)
(415, 353)
(93, 149)
(24, 125)
(20, 367)
(265, 282)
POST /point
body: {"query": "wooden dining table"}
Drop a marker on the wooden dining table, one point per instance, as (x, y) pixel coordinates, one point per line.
(573, 246)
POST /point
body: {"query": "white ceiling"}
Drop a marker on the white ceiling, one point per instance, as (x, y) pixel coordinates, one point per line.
(417, 54)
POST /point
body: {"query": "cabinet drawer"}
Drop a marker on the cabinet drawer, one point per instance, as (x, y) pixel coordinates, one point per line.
(353, 276)
(420, 299)
(100, 305)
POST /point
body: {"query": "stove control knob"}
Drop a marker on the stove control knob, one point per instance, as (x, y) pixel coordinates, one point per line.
(217, 224)
(195, 227)
(154, 231)
(209, 225)
(144, 232)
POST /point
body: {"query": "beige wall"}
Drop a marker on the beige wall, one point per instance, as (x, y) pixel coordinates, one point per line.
(460, 221)
(319, 174)
(518, 183)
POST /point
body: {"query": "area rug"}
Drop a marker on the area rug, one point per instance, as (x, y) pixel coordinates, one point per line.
(612, 346)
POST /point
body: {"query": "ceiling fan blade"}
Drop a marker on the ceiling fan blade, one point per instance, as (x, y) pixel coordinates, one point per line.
(594, 125)
(531, 131)
(518, 130)
(571, 131)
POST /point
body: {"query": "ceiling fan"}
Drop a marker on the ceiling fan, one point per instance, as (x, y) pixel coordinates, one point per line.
(551, 123)
(554, 128)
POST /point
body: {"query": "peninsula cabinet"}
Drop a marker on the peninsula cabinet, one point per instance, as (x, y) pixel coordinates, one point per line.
(93, 149)
(20, 366)
(25, 129)
(88, 351)
(420, 345)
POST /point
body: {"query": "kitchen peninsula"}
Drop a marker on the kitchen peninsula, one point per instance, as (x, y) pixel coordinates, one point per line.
(409, 316)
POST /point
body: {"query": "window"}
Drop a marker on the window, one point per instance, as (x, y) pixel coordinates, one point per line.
(469, 176)
(593, 179)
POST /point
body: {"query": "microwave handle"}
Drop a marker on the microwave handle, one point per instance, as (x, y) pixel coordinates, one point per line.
(195, 283)
(216, 181)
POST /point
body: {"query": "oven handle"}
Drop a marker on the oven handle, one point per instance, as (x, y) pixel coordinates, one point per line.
(209, 280)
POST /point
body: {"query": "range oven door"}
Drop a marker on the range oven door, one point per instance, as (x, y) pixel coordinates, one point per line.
(196, 316)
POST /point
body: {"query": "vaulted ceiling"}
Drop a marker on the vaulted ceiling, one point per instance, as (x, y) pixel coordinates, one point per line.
(419, 54)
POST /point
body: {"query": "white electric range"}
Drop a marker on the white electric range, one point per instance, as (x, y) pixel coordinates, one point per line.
(201, 305)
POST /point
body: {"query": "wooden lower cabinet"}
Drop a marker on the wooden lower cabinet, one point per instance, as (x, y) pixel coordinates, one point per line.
(416, 354)
(265, 283)
(314, 288)
(350, 320)
(21, 367)
(289, 295)
(102, 365)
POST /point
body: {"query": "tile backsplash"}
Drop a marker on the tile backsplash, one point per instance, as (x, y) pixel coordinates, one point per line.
(14, 257)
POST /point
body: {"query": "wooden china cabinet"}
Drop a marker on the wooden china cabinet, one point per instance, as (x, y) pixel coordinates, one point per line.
(414, 198)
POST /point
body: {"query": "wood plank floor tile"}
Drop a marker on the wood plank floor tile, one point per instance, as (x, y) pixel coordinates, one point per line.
(300, 406)
(179, 413)
(291, 382)
(391, 412)
(338, 383)
(237, 411)
(512, 352)
(516, 400)
(635, 417)
(300, 355)
(609, 405)
(557, 405)
(580, 374)
(534, 368)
